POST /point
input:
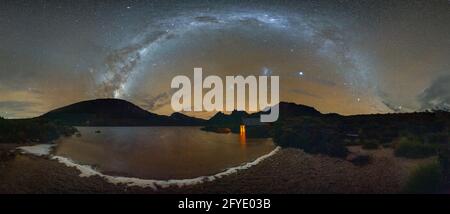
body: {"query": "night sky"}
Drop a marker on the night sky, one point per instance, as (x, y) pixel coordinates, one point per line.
(348, 57)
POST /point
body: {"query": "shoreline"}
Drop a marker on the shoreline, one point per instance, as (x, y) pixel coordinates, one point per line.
(88, 171)
(286, 171)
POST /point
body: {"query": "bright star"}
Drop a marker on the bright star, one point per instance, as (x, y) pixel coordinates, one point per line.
(266, 71)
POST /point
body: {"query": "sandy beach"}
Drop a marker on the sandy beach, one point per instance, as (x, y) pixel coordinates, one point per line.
(288, 171)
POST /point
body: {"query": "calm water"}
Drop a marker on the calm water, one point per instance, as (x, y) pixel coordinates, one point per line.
(160, 152)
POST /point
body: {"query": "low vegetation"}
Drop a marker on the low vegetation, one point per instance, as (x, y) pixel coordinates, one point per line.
(425, 179)
(310, 134)
(433, 177)
(410, 147)
(32, 131)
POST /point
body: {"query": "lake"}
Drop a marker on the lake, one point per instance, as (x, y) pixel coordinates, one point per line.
(160, 152)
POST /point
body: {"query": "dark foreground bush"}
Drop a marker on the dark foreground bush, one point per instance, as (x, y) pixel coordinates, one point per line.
(413, 148)
(425, 179)
(32, 130)
(444, 162)
(310, 135)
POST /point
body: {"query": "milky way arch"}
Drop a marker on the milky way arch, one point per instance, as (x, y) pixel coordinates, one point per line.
(328, 36)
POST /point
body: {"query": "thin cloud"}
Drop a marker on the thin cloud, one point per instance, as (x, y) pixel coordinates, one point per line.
(437, 95)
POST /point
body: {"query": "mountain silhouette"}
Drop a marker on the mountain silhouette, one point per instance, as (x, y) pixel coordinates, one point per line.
(115, 112)
(221, 118)
(286, 110)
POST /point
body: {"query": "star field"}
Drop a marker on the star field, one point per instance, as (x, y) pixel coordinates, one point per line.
(349, 57)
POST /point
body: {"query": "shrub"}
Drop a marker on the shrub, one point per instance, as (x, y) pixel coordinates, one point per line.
(444, 162)
(425, 179)
(32, 130)
(413, 148)
(437, 138)
(311, 136)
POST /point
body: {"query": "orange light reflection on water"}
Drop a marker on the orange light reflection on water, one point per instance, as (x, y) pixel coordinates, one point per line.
(242, 137)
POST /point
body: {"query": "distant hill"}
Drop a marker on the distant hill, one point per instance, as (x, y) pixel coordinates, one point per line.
(115, 112)
(286, 110)
(227, 119)
(233, 121)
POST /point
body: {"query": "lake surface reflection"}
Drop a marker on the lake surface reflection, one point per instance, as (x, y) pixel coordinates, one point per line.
(160, 152)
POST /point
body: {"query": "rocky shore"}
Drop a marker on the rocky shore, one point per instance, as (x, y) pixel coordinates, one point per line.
(288, 171)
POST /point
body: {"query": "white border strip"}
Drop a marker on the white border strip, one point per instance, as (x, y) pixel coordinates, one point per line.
(87, 171)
